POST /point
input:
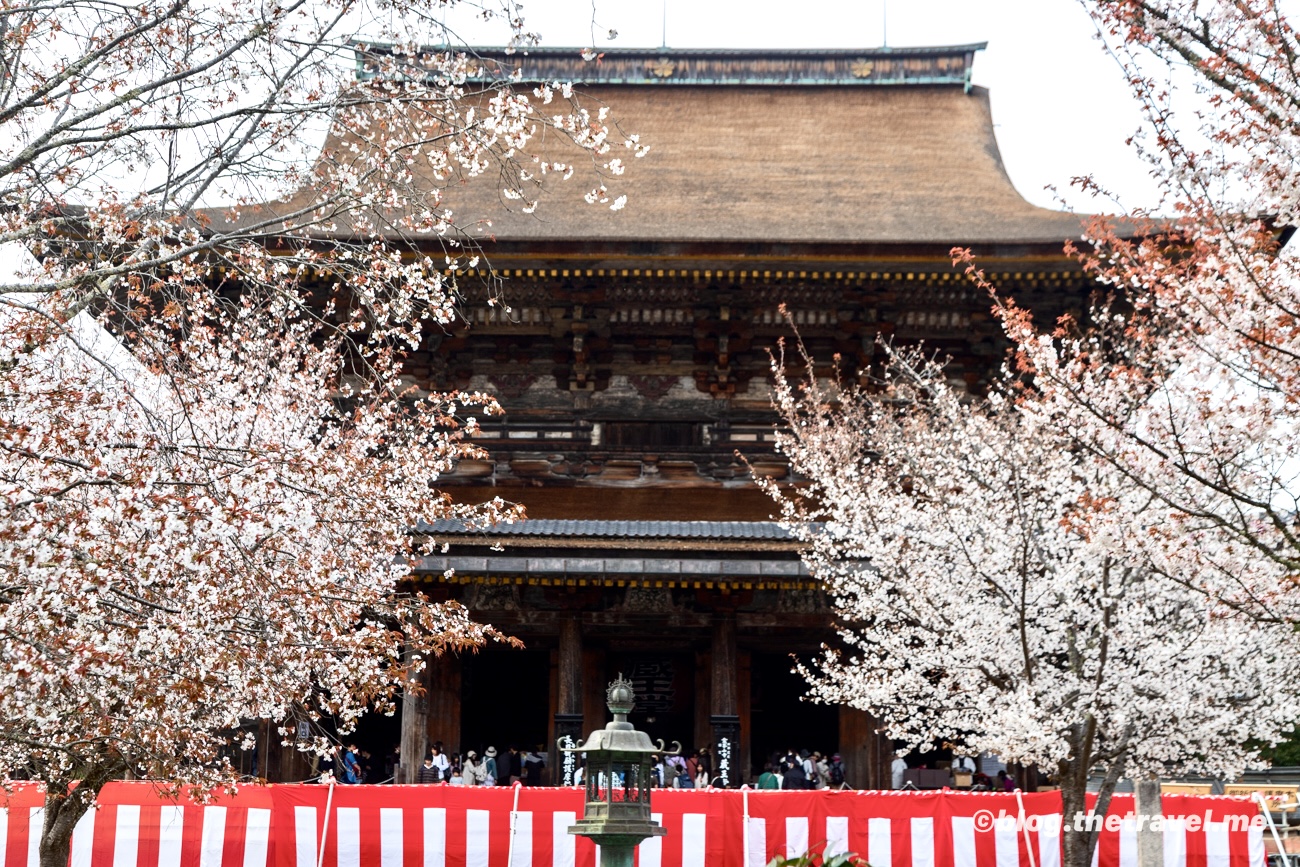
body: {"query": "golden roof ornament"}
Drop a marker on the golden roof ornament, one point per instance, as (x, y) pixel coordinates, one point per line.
(861, 68)
(661, 68)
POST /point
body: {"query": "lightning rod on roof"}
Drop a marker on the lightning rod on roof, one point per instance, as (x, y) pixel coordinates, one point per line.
(884, 23)
(665, 25)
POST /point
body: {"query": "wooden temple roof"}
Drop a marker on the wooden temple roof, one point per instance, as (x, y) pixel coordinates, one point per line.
(702, 555)
(832, 148)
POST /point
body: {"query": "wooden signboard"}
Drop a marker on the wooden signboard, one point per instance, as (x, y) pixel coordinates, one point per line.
(1185, 788)
(1277, 797)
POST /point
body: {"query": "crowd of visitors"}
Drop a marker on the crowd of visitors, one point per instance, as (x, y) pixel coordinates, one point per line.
(790, 769)
(803, 770)
(493, 769)
(694, 770)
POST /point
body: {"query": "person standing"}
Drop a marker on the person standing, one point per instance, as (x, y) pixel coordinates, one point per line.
(809, 769)
(490, 768)
(441, 762)
(896, 772)
(428, 772)
(351, 765)
(821, 771)
(533, 764)
(706, 762)
(792, 775)
(835, 774)
(767, 779)
(516, 765)
(472, 770)
(693, 766)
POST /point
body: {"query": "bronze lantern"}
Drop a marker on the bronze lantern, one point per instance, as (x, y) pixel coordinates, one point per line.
(618, 780)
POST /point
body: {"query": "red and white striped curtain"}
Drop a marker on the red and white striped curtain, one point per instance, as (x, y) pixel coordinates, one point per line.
(445, 826)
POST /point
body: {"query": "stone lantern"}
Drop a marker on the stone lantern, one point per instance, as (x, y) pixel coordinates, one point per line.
(618, 781)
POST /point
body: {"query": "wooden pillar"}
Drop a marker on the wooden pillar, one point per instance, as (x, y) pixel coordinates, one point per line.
(444, 702)
(261, 764)
(723, 666)
(294, 763)
(700, 734)
(744, 698)
(415, 727)
(882, 756)
(594, 712)
(569, 699)
(865, 753)
(724, 723)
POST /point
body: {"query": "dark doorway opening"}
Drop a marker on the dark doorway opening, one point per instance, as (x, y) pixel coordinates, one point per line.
(779, 717)
(505, 699)
(665, 694)
(377, 737)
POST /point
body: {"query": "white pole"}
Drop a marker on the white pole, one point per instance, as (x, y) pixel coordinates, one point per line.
(1277, 839)
(514, 813)
(1024, 829)
(744, 801)
(325, 829)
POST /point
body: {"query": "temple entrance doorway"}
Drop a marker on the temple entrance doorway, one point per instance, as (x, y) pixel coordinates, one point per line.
(664, 683)
(780, 719)
(505, 697)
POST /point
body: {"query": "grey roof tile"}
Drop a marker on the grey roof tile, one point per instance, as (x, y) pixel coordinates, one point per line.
(731, 530)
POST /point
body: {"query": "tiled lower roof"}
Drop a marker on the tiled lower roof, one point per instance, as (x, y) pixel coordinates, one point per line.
(616, 567)
(728, 530)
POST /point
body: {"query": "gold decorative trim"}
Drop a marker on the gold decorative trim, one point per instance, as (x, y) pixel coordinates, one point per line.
(661, 68)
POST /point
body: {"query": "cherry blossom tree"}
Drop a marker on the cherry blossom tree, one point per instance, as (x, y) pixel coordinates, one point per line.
(210, 455)
(1185, 376)
(981, 599)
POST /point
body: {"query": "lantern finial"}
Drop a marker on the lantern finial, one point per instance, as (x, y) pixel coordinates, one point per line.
(621, 698)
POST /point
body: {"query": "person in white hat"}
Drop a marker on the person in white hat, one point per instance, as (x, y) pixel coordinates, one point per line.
(472, 769)
(490, 766)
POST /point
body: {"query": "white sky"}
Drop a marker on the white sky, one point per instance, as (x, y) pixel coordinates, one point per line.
(1060, 104)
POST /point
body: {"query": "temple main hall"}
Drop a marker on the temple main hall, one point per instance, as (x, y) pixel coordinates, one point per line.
(630, 350)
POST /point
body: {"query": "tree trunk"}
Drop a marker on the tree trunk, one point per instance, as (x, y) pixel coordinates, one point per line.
(63, 809)
(67, 801)
(1075, 840)
(1081, 828)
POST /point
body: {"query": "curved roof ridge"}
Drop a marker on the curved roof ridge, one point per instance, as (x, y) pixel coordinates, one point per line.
(555, 527)
(885, 65)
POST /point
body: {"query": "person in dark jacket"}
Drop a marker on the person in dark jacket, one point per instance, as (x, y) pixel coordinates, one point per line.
(428, 772)
(533, 764)
(516, 760)
(792, 775)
